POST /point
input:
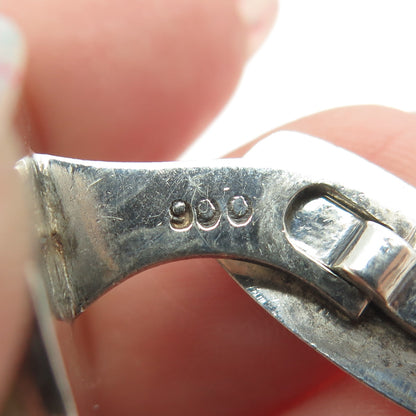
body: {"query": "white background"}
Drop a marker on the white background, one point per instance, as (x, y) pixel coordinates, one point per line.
(320, 54)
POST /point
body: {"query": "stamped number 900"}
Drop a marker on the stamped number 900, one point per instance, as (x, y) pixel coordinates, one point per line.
(207, 213)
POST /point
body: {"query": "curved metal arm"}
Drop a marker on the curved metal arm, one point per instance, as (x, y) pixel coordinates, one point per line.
(100, 222)
(295, 204)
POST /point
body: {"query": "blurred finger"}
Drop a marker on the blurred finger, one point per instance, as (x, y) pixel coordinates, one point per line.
(186, 332)
(14, 305)
(382, 135)
(131, 80)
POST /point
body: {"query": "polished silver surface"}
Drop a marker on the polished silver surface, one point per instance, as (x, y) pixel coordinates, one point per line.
(374, 349)
(99, 223)
(318, 233)
(370, 255)
(322, 229)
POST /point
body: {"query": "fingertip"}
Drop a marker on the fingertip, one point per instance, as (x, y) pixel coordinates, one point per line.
(258, 17)
(382, 135)
(134, 80)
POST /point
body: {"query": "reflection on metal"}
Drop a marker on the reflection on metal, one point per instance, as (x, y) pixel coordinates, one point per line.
(368, 254)
(312, 232)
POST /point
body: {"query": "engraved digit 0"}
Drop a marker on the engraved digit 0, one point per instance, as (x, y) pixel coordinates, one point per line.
(208, 214)
(240, 210)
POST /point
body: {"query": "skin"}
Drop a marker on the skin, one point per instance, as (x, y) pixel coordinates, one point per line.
(103, 89)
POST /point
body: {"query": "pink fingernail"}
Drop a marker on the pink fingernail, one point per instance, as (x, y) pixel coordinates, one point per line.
(12, 59)
(258, 16)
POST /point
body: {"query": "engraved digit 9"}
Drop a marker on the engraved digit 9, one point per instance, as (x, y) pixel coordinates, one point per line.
(180, 215)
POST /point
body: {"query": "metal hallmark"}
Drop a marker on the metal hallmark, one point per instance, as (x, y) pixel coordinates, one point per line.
(322, 239)
(208, 213)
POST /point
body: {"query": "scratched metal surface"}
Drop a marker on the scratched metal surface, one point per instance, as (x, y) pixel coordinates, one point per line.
(99, 223)
(373, 349)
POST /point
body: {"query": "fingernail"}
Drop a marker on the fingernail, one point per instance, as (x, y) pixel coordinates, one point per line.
(258, 16)
(12, 60)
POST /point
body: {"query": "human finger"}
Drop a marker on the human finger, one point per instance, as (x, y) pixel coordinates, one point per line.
(14, 253)
(131, 80)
